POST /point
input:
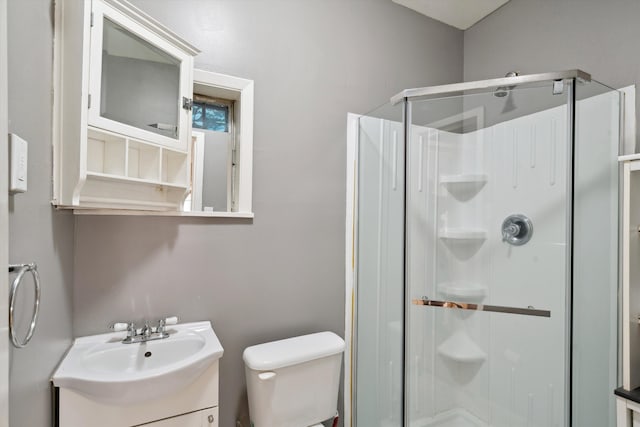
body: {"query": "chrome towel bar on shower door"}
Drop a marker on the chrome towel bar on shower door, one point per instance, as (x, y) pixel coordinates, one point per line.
(482, 307)
(15, 285)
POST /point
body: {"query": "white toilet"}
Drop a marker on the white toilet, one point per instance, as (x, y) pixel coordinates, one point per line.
(294, 382)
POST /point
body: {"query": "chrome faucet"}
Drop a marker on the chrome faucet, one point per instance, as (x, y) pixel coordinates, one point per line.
(147, 333)
(161, 325)
(131, 330)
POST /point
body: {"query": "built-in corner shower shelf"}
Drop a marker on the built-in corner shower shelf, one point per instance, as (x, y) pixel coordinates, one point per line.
(459, 347)
(462, 290)
(464, 185)
(471, 178)
(462, 234)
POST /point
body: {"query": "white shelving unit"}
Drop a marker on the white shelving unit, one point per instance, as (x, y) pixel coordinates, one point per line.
(117, 157)
(461, 347)
(133, 172)
(109, 150)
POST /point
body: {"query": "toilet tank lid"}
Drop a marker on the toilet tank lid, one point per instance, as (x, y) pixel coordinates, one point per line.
(292, 351)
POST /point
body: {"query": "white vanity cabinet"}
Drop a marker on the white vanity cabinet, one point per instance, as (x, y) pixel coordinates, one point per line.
(205, 418)
(122, 98)
(195, 405)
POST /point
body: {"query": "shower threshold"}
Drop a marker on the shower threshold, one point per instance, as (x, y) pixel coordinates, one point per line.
(451, 418)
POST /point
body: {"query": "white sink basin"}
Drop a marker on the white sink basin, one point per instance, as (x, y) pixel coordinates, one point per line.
(105, 370)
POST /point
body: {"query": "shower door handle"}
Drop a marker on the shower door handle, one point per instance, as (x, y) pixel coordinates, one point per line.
(529, 311)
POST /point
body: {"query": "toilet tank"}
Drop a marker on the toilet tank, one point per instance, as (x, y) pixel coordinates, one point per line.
(294, 382)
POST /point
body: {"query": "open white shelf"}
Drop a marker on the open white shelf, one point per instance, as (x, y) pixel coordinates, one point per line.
(464, 179)
(116, 178)
(143, 161)
(464, 186)
(123, 172)
(125, 212)
(464, 290)
(116, 156)
(109, 154)
(460, 348)
(462, 234)
(174, 167)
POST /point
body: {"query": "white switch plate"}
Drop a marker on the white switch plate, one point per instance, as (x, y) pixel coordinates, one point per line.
(18, 164)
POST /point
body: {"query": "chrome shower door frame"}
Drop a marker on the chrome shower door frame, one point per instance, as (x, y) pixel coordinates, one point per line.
(569, 78)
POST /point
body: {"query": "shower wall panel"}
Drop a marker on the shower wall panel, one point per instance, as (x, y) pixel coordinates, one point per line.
(421, 214)
(595, 265)
(527, 357)
(480, 368)
(380, 273)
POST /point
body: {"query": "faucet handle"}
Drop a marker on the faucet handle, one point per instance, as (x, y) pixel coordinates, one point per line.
(130, 327)
(173, 320)
(164, 322)
(119, 327)
(146, 330)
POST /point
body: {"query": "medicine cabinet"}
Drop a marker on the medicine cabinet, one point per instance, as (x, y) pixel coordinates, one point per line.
(122, 98)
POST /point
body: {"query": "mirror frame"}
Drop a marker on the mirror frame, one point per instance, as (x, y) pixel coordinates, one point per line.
(241, 91)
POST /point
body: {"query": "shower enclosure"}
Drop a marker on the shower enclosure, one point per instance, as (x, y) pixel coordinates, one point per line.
(486, 255)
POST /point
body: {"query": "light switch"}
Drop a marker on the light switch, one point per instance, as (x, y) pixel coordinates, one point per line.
(18, 164)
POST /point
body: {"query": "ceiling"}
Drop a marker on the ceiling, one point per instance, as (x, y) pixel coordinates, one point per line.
(461, 14)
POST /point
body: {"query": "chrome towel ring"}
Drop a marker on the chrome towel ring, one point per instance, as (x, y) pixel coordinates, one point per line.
(22, 270)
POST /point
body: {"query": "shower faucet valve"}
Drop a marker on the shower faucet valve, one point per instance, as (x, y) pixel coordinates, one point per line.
(517, 229)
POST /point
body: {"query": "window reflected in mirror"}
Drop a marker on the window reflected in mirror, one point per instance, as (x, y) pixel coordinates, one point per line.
(211, 114)
(212, 155)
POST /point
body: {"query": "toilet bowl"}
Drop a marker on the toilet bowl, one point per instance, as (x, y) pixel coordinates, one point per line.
(294, 382)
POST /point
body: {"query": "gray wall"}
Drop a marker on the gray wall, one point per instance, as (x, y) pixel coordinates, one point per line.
(600, 37)
(36, 232)
(283, 273)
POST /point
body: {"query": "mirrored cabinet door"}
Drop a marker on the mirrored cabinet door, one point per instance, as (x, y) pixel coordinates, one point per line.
(140, 85)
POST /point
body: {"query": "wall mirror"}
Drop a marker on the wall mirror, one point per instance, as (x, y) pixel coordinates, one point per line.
(140, 84)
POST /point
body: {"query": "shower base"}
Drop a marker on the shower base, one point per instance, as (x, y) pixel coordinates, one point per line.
(452, 418)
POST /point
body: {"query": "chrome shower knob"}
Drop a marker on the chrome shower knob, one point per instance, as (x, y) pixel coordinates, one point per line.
(517, 229)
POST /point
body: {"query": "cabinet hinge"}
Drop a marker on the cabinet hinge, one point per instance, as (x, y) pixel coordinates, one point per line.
(187, 103)
(91, 20)
(89, 102)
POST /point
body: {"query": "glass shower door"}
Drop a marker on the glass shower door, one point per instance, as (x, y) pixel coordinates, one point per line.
(487, 340)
